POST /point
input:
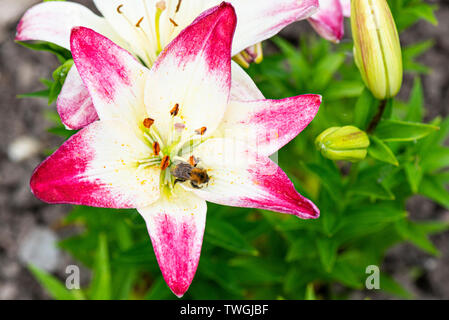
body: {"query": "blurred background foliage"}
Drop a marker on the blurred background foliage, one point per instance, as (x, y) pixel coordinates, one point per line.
(253, 254)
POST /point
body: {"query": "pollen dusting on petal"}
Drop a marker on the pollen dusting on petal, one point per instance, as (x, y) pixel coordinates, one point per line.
(165, 163)
(174, 112)
(201, 131)
(119, 9)
(161, 5)
(148, 122)
(139, 22)
(173, 22)
(156, 148)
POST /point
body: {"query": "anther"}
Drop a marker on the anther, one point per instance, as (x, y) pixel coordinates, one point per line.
(201, 131)
(148, 122)
(165, 162)
(161, 5)
(156, 148)
(173, 22)
(193, 161)
(119, 9)
(174, 112)
(178, 6)
(139, 22)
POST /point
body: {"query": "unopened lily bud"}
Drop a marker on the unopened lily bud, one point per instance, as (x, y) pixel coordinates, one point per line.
(377, 49)
(253, 54)
(343, 143)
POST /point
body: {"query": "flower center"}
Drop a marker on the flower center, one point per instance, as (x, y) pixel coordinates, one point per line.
(174, 154)
(148, 33)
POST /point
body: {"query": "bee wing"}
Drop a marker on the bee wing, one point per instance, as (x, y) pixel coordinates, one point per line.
(182, 171)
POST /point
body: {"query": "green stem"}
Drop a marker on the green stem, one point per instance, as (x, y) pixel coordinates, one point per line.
(375, 121)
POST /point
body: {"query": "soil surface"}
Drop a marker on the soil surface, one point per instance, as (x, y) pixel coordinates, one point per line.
(27, 226)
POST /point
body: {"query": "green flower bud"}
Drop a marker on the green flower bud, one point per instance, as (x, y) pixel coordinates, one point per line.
(377, 49)
(343, 143)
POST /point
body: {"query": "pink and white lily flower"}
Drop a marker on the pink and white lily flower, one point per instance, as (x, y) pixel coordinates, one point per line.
(329, 20)
(145, 28)
(182, 115)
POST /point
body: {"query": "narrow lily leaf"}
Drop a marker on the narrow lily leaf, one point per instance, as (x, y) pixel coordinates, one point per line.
(141, 254)
(432, 188)
(437, 159)
(364, 109)
(327, 249)
(380, 151)
(394, 130)
(416, 103)
(54, 287)
(374, 190)
(101, 283)
(37, 94)
(414, 175)
(159, 290)
(225, 235)
(411, 232)
(310, 292)
(389, 285)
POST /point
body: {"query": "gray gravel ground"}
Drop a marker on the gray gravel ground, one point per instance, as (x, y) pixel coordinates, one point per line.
(23, 218)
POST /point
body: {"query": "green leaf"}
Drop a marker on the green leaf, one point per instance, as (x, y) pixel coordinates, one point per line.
(434, 189)
(159, 290)
(416, 103)
(54, 287)
(411, 232)
(414, 175)
(327, 249)
(364, 109)
(139, 254)
(224, 235)
(380, 151)
(394, 130)
(101, 282)
(389, 285)
(310, 292)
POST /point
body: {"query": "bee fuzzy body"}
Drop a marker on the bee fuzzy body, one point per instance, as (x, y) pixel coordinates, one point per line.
(184, 171)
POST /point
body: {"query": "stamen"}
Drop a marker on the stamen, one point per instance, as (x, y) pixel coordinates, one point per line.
(165, 162)
(160, 7)
(201, 131)
(179, 127)
(139, 22)
(148, 122)
(156, 148)
(193, 161)
(174, 112)
(173, 22)
(178, 6)
(119, 9)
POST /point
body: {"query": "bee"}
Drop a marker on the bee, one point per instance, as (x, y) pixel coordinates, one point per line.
(184, 171)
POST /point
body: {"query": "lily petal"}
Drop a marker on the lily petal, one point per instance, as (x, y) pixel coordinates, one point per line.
(97, 167)
(114, 78)
(259, 20)
(270, 124)
(176, 227)
(328, 21)
(74, 104)
(52, 21)
(243, 87)
(346, 5)
(240, 177)
(194, 72)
